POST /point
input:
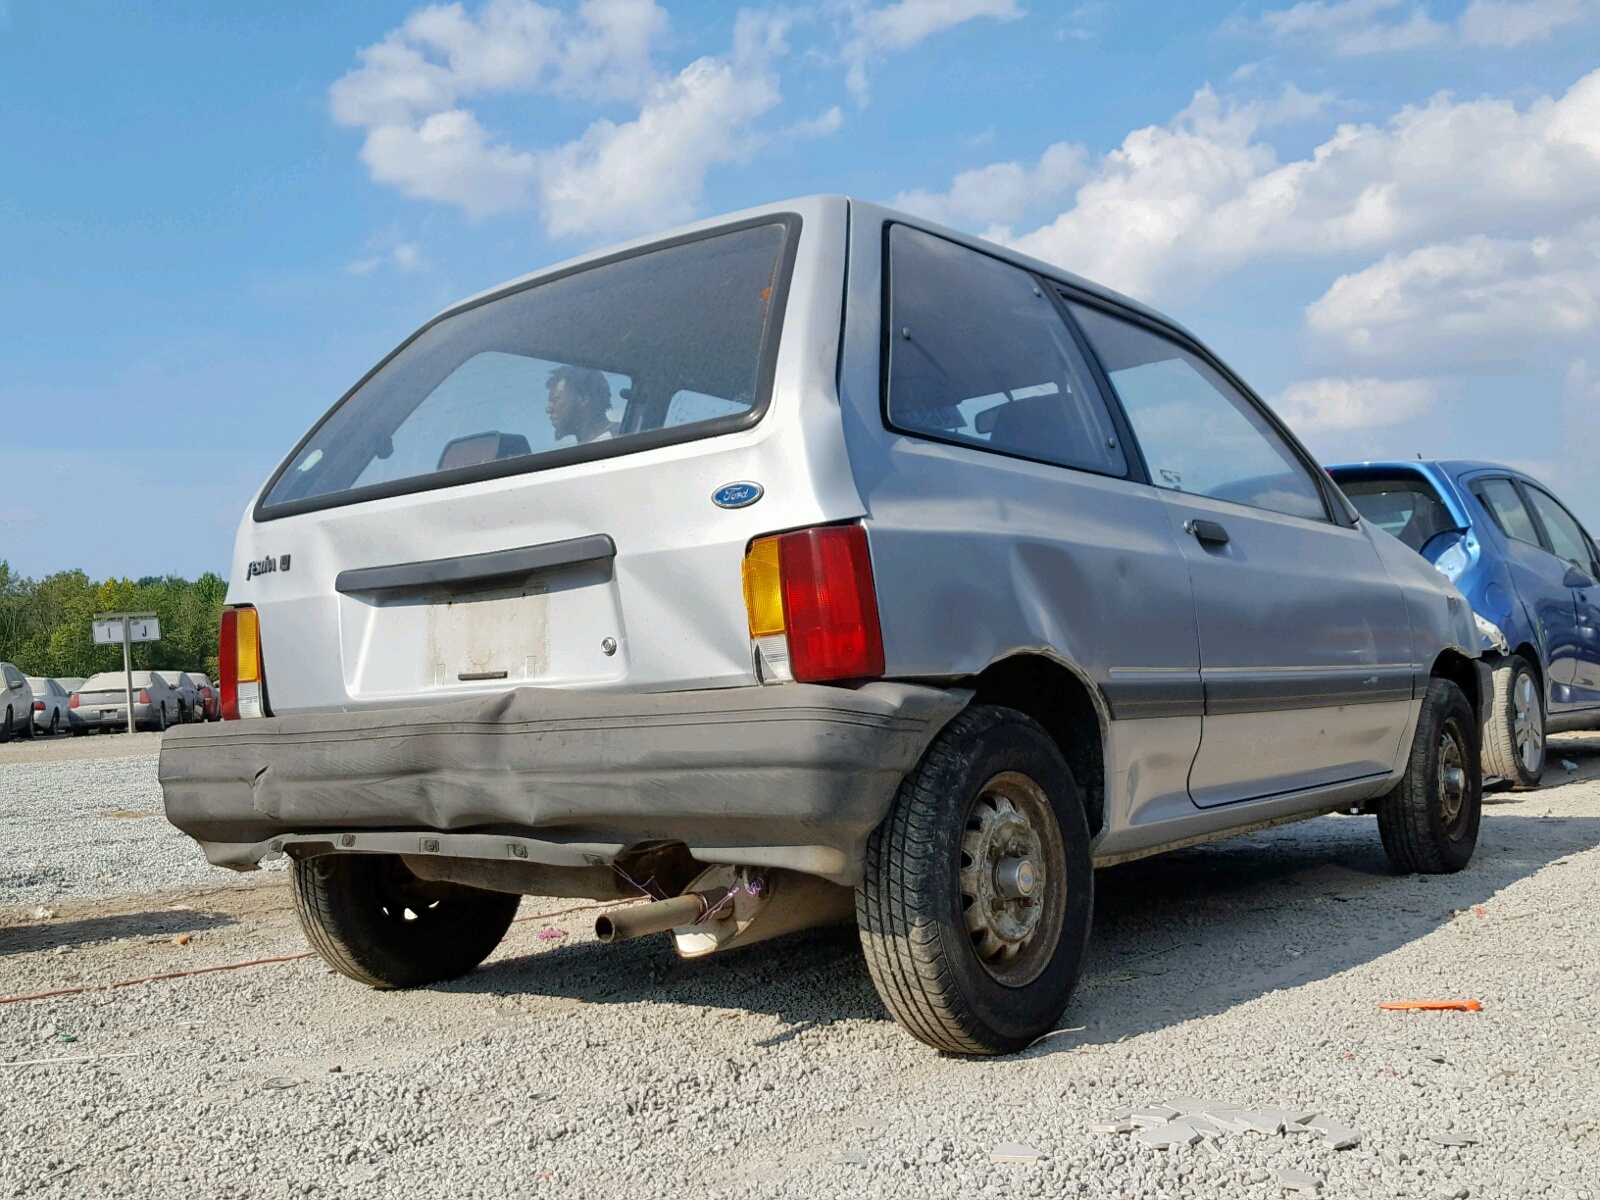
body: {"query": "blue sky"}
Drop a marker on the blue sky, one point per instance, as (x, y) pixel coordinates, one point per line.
(215, 216)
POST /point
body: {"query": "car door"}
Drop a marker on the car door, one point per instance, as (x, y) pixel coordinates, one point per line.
(1569, 542)
(1305, 642)
(1541, 582)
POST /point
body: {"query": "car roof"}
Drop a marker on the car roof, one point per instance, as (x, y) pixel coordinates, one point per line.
(817, 204)
(1453, 468)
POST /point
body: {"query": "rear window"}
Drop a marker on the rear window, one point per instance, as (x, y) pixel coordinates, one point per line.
(1405, 506)
(657, 347)
(114, 681)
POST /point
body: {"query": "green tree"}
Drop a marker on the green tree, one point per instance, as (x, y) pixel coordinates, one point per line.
(46, 624)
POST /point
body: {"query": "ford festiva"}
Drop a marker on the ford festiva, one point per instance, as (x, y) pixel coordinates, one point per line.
(810, 563)
(1532, 574)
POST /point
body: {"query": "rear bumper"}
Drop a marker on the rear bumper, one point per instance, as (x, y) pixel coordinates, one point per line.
(793, 776)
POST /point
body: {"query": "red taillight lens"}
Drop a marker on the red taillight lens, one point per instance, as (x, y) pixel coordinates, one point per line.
(38, 706)
(73, 702)
(144, 696)
(228, 664)
(830, 605)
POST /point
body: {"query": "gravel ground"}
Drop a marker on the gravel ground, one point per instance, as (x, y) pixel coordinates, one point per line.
(1247, 971)
(79, 823)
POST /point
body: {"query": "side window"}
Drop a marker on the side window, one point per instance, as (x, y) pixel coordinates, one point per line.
(979, 355)
(1198, 433)
(1566, 535)
(1505, 505)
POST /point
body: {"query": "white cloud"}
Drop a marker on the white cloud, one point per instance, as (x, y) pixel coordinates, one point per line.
(1473, 299)
(1003, 193)
(876, 32)
(650, 171)
(1338, 405)
(1515, 22)
(1357, 27)
(1176, 205)
(617, 177)
(1352, 28)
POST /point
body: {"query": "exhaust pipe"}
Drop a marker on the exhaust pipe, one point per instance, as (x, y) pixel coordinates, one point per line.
(656, 917)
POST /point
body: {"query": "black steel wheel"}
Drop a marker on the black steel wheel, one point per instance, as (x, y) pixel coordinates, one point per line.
(1429, 821)
(373, 920)
(976, 904)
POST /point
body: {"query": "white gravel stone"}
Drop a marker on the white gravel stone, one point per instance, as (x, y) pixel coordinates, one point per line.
(621, 1071)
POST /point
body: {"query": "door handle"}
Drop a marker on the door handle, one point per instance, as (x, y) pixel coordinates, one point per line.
(1208, 532)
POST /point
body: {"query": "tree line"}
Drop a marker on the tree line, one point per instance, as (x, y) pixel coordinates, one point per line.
(46, 625)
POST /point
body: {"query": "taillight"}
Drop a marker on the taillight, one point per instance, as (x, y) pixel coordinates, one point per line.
(38, 706)
(144, 696)
(72, 702)
(239, 664)
(812, 606)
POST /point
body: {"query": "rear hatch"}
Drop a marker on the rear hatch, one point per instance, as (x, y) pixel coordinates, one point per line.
(522, 494)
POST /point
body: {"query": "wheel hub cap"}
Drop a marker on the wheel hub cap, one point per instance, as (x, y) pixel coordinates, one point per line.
(1527, 728)
(1013, 869)
(1452, 776)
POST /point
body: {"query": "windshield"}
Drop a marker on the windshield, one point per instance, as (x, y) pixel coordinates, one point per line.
(1405, 506)
(657, 347)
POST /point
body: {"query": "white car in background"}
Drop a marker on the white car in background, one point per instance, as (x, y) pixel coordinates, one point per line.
(16, 703)
(49, 705)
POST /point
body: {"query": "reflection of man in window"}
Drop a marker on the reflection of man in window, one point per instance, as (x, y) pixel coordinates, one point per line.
(579, 400)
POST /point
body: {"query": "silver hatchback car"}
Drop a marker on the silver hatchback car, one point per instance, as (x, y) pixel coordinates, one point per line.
(810, 563)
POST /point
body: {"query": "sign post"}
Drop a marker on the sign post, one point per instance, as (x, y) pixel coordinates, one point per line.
(127, 628)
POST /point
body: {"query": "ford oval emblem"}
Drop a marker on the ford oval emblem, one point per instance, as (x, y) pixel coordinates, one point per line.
(737, 495)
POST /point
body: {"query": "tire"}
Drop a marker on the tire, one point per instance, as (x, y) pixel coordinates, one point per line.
(55, 723)
(161, 721)
(353, 909)
(1429, 821)
(5, 730)
(960, 964)
(30, 730)
(1514, 734)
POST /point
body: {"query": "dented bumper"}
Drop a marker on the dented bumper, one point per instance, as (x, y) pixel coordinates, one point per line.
(793, 776)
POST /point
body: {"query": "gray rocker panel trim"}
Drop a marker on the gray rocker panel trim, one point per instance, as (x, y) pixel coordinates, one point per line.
(793, 774)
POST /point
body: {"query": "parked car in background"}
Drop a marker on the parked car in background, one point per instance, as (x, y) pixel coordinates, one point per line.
(69, 683)
(856, 569)
(49, 705)
(16, 703)
(191, 705)
(1532, 574)
(210, 698)
(101, 703)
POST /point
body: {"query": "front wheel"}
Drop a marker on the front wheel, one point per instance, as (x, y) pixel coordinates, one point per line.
(373, 920)
(975, 908)
(1429, 822)
(1513, 733)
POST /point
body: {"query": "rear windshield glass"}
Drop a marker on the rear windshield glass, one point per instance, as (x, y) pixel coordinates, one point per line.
(1405, 506)
(115, 681)
(653, 348)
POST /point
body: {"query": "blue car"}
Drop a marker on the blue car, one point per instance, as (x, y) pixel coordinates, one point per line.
(1529, 570)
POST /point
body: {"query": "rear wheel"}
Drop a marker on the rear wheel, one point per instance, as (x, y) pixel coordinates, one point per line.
(161, 721)
(373, 920)
(1513, 734)
(1429, 822)
(5, 730)
(975, 908)
(55, 723)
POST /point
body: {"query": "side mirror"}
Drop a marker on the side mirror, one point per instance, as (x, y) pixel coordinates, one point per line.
(1577, 579)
